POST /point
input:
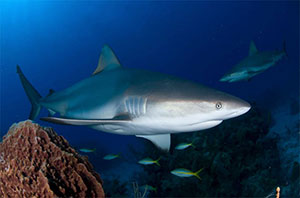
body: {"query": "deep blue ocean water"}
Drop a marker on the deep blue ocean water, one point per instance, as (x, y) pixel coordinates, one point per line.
(58, 43)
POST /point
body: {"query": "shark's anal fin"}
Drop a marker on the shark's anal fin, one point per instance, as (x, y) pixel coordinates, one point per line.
(108, 60)
(162, 141)
(70, 121)
(252, 49)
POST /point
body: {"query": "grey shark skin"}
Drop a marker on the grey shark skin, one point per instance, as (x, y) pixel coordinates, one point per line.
(136, 102)
(256, 63)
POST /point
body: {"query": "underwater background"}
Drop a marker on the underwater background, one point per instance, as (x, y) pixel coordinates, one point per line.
(58, 43)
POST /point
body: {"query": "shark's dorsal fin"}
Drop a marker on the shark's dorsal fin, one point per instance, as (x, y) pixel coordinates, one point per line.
(162, 141)
(107, 60)
(252, 49)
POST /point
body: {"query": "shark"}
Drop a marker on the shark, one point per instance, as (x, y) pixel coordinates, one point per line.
(255, 63)
(128, 101)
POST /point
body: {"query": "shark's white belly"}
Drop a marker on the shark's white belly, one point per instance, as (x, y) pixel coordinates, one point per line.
(147, 126)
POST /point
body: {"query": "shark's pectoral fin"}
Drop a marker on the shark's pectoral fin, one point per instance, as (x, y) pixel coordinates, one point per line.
(70, 121)
(108, 60)
(162, 141)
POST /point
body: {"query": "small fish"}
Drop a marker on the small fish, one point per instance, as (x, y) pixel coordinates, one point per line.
(111, 156)
(183, 146)
(148, 188)
(86, 150)
(149, 161)
(182, 172)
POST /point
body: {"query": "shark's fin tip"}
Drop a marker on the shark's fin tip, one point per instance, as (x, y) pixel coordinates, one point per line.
(162, 141)
(107, 60)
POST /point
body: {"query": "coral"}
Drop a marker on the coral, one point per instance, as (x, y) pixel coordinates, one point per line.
(286, 131)
(238, 158)
(36, 162)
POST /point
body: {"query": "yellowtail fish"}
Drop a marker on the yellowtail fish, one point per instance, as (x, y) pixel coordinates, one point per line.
(111, 156)
(149, 161)
(86, 150)
(148, 188)
(183, 146)
(182, 172)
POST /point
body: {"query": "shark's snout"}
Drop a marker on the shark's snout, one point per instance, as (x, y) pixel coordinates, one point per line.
(243, 110)
(240, 107)
(223, 79)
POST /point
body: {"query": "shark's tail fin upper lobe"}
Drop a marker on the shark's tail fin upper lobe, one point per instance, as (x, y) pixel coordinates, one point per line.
(32, 94)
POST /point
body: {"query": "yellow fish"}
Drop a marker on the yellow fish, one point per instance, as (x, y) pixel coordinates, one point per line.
(182, 172)
(149, 161)
(183, 146)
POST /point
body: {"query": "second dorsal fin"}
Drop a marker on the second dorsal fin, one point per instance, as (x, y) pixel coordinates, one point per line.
(107, 60)
(51, 91)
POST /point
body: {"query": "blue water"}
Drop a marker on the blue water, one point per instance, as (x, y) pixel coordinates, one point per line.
(58, 43)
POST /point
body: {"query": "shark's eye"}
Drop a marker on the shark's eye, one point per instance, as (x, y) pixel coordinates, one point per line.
(218, 105)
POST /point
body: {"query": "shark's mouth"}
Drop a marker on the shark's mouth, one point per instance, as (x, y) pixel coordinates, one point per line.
(241, 111)
(204, 122)
(204, 125)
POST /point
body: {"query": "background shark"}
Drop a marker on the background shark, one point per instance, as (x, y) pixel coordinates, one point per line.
(254, 64)
(136, 102)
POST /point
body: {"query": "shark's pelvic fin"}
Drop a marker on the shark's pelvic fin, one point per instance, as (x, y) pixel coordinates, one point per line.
(252, 49)
(70, 121)
(162, 141)
(107, 60)
(51, 112)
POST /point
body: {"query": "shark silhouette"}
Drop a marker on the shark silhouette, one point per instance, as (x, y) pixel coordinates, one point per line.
(255, 63)
(135, 102)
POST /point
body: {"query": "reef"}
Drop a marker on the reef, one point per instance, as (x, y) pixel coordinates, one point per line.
(238, 157)
(36, 162)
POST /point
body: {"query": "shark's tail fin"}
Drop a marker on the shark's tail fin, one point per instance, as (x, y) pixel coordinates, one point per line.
(32, 94)
(284, 49)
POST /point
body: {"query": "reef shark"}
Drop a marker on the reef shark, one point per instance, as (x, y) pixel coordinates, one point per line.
(255, 63)
(128, 101)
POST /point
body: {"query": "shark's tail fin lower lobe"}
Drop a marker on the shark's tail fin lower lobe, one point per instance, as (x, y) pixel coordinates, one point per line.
(32, 94)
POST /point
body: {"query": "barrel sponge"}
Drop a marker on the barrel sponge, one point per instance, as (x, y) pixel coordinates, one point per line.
(36, 162)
